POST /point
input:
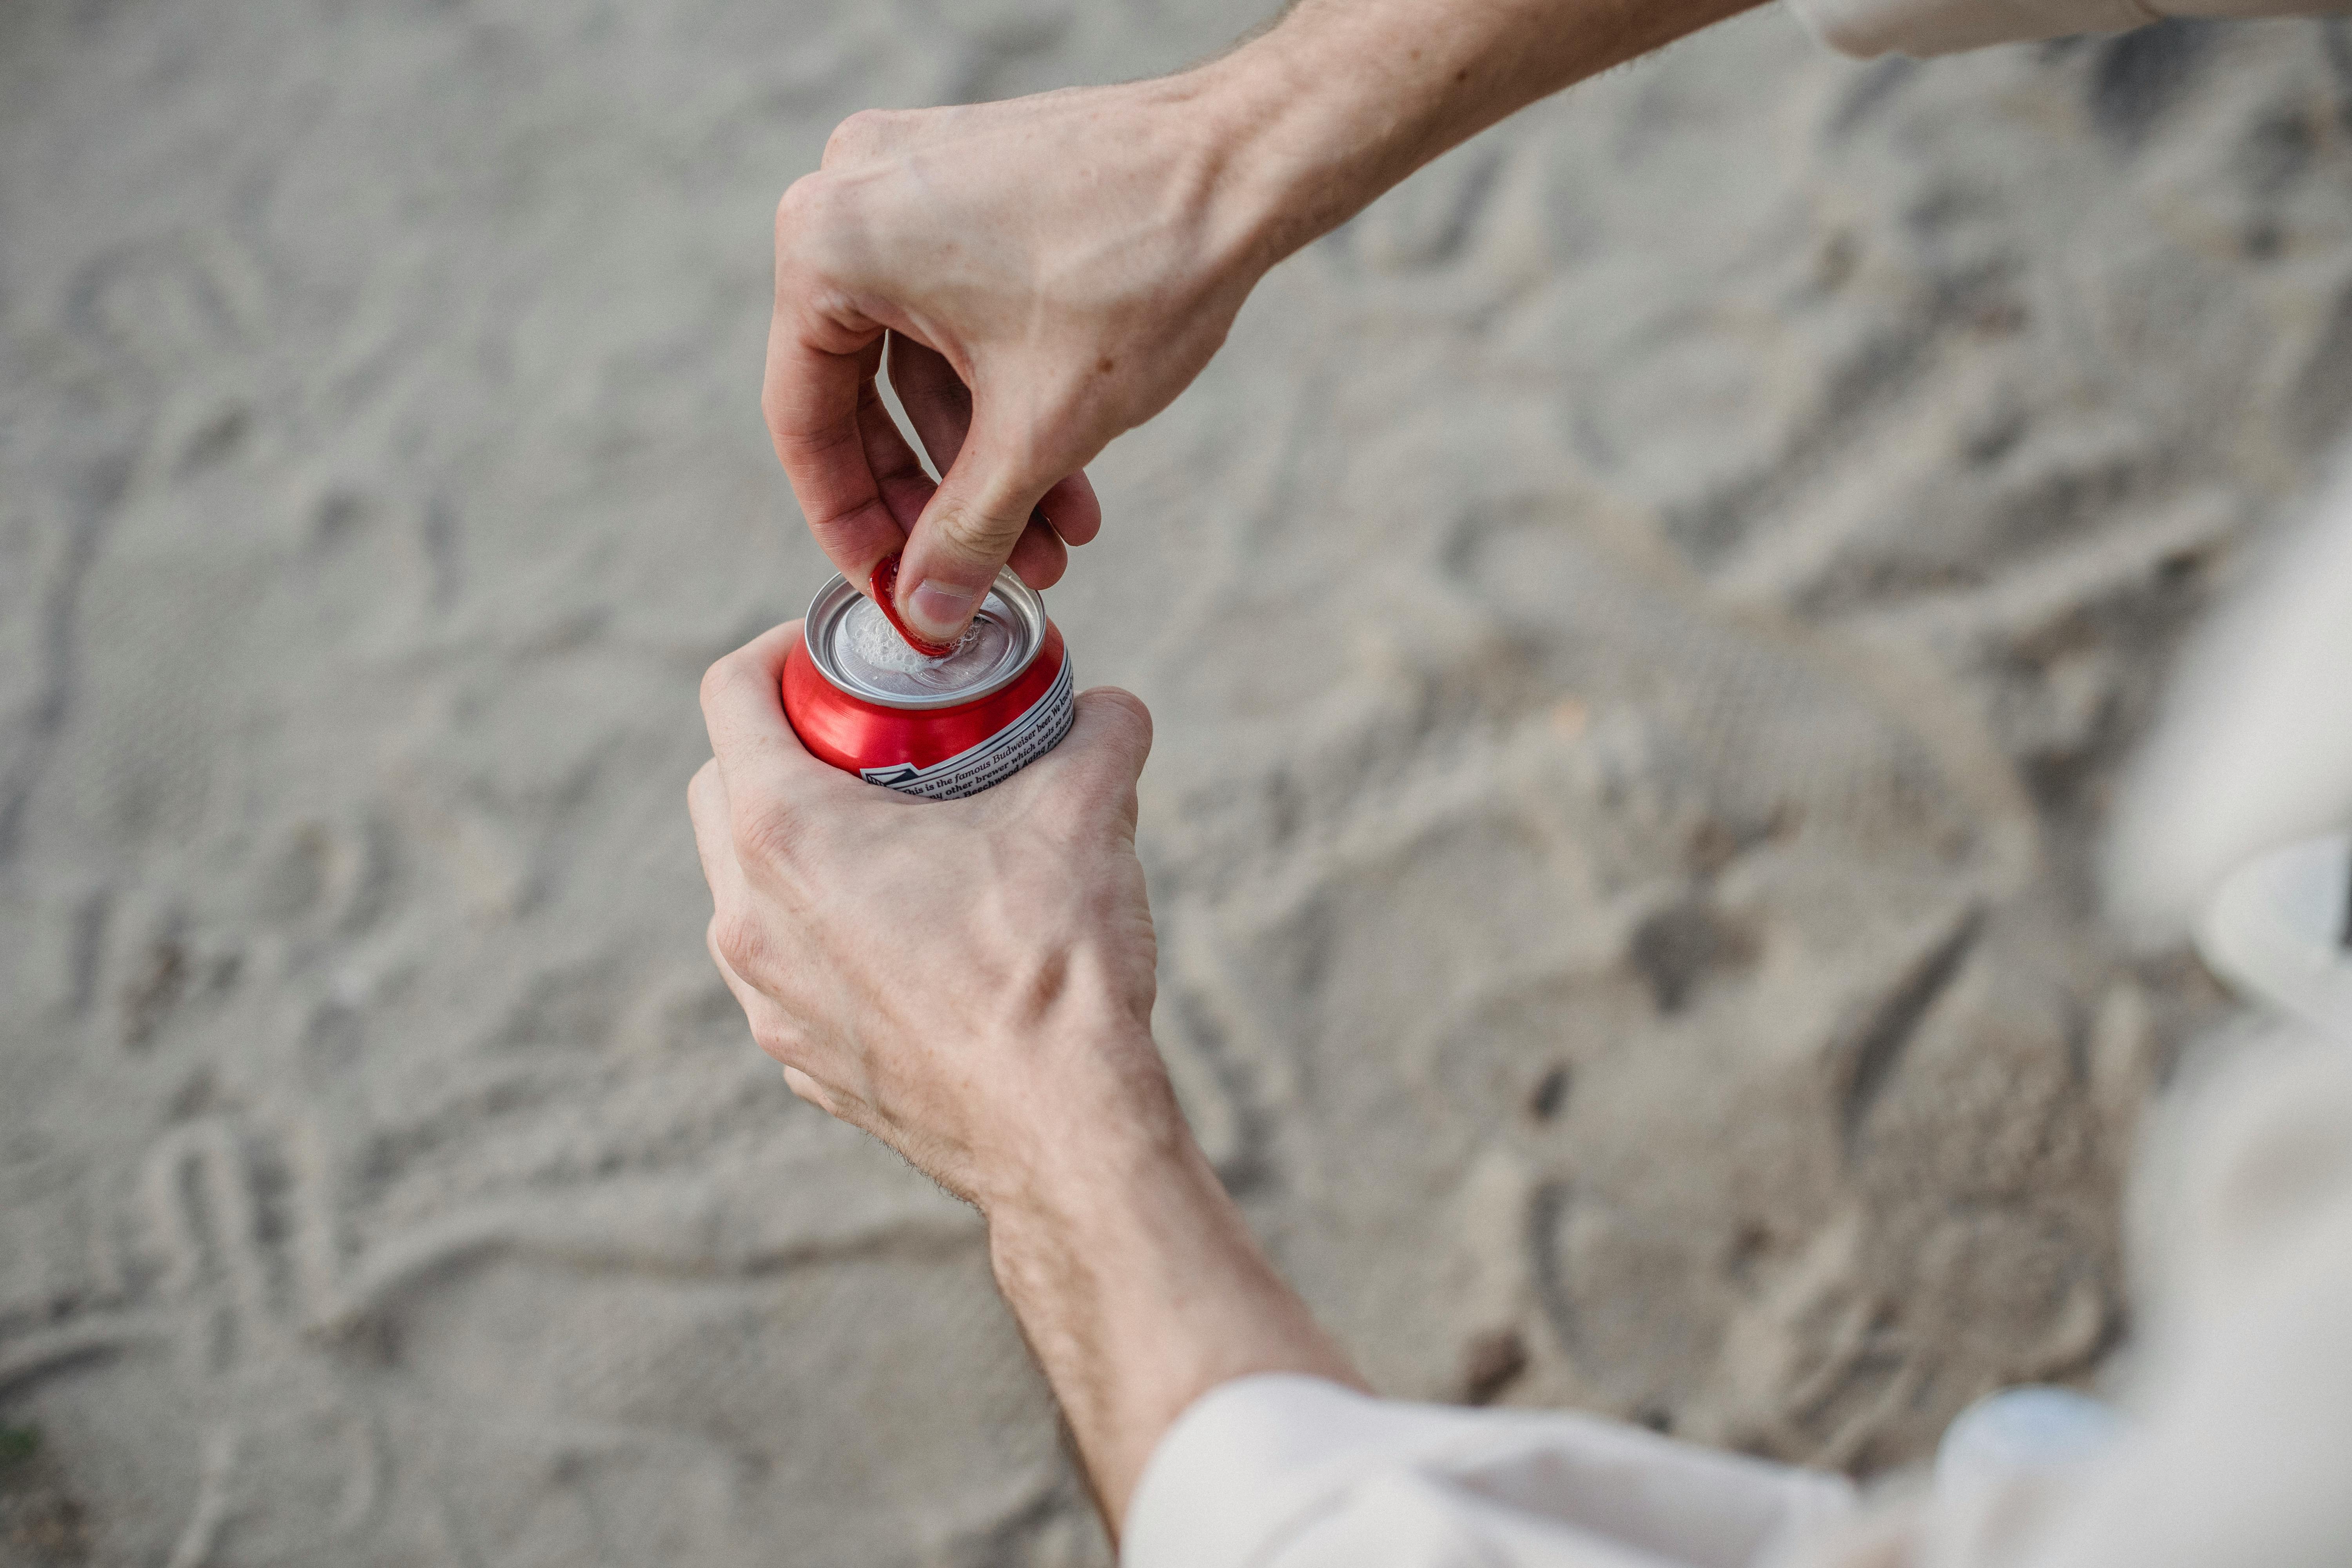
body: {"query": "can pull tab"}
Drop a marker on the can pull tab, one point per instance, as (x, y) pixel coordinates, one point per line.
(885, 586)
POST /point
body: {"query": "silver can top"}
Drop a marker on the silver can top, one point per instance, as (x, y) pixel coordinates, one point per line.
(857, 649)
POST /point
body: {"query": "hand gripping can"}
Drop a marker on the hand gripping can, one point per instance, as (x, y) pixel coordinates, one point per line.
(864, 700)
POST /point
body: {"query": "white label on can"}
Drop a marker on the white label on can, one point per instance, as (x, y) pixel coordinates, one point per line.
(996, 759)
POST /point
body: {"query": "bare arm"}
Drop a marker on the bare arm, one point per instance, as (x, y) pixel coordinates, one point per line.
(1139, 1289)
(1346, 98)
(1053, 270)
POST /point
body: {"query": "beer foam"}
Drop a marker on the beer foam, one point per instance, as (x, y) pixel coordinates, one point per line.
(869, 647)
(868, 634)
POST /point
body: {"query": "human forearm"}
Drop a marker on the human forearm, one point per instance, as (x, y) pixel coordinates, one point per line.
(1343, 98)
(1139, 1285)
(1054, 270)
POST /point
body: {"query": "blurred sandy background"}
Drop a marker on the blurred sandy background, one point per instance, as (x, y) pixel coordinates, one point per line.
(1642, 626)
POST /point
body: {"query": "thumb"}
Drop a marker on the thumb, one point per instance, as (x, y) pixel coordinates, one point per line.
(969, 529)
(1104, 753)
(1114, 723)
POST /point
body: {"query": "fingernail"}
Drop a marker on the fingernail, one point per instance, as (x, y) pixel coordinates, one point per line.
(938, 611)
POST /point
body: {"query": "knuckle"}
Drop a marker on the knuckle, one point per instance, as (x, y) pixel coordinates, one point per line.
(1130, 708)
(859, 134)
(716, 680)
(737, 940)
(774, 1035)
(1095, 807)
(973, 533)
(769, 833)
(796, 204)
(805, 214)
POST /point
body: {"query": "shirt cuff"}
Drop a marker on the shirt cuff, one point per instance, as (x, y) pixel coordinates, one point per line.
(1248, 1461)
(1256, 1462)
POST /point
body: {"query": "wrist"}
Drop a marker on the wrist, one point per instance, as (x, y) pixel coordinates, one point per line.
(1290, 151)
(1098, 1120)
(1315, 117)
(1140, 1288)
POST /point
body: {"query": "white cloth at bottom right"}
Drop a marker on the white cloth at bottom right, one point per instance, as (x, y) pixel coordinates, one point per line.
(2237, 1452)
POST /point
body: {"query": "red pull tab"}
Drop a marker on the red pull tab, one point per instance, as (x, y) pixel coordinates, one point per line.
(885, 581)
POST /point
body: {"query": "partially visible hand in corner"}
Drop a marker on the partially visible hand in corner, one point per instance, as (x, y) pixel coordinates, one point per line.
(971, 982)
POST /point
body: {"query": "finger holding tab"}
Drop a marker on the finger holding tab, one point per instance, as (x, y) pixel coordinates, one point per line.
(818, 398)
(983, 510)
(940, 405)
(1037, 306)
(864, 491)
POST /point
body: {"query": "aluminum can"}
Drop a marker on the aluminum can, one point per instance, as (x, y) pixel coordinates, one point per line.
(863, 701)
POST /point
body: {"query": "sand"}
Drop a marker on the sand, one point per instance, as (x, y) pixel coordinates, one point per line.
(1642, 626)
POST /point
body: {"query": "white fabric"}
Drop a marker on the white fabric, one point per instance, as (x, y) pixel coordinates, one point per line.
(2254, 749)
(1296, 1472)
(1922, 27)
(2236, 1456)
(2243, 1458)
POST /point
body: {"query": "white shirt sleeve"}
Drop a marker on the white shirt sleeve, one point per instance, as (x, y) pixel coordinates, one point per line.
(1868, 28)
(1284, 1471)
(2244, 1438)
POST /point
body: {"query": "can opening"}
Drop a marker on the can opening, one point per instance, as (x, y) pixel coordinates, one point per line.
(885, 589)
(870, 649)
(855, 647)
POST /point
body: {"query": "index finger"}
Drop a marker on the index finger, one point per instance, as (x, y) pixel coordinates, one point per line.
(813, 400)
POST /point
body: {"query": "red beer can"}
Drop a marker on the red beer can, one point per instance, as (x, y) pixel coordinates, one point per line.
(863, 699)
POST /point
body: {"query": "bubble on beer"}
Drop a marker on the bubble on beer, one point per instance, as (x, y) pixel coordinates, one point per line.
(870, 648)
